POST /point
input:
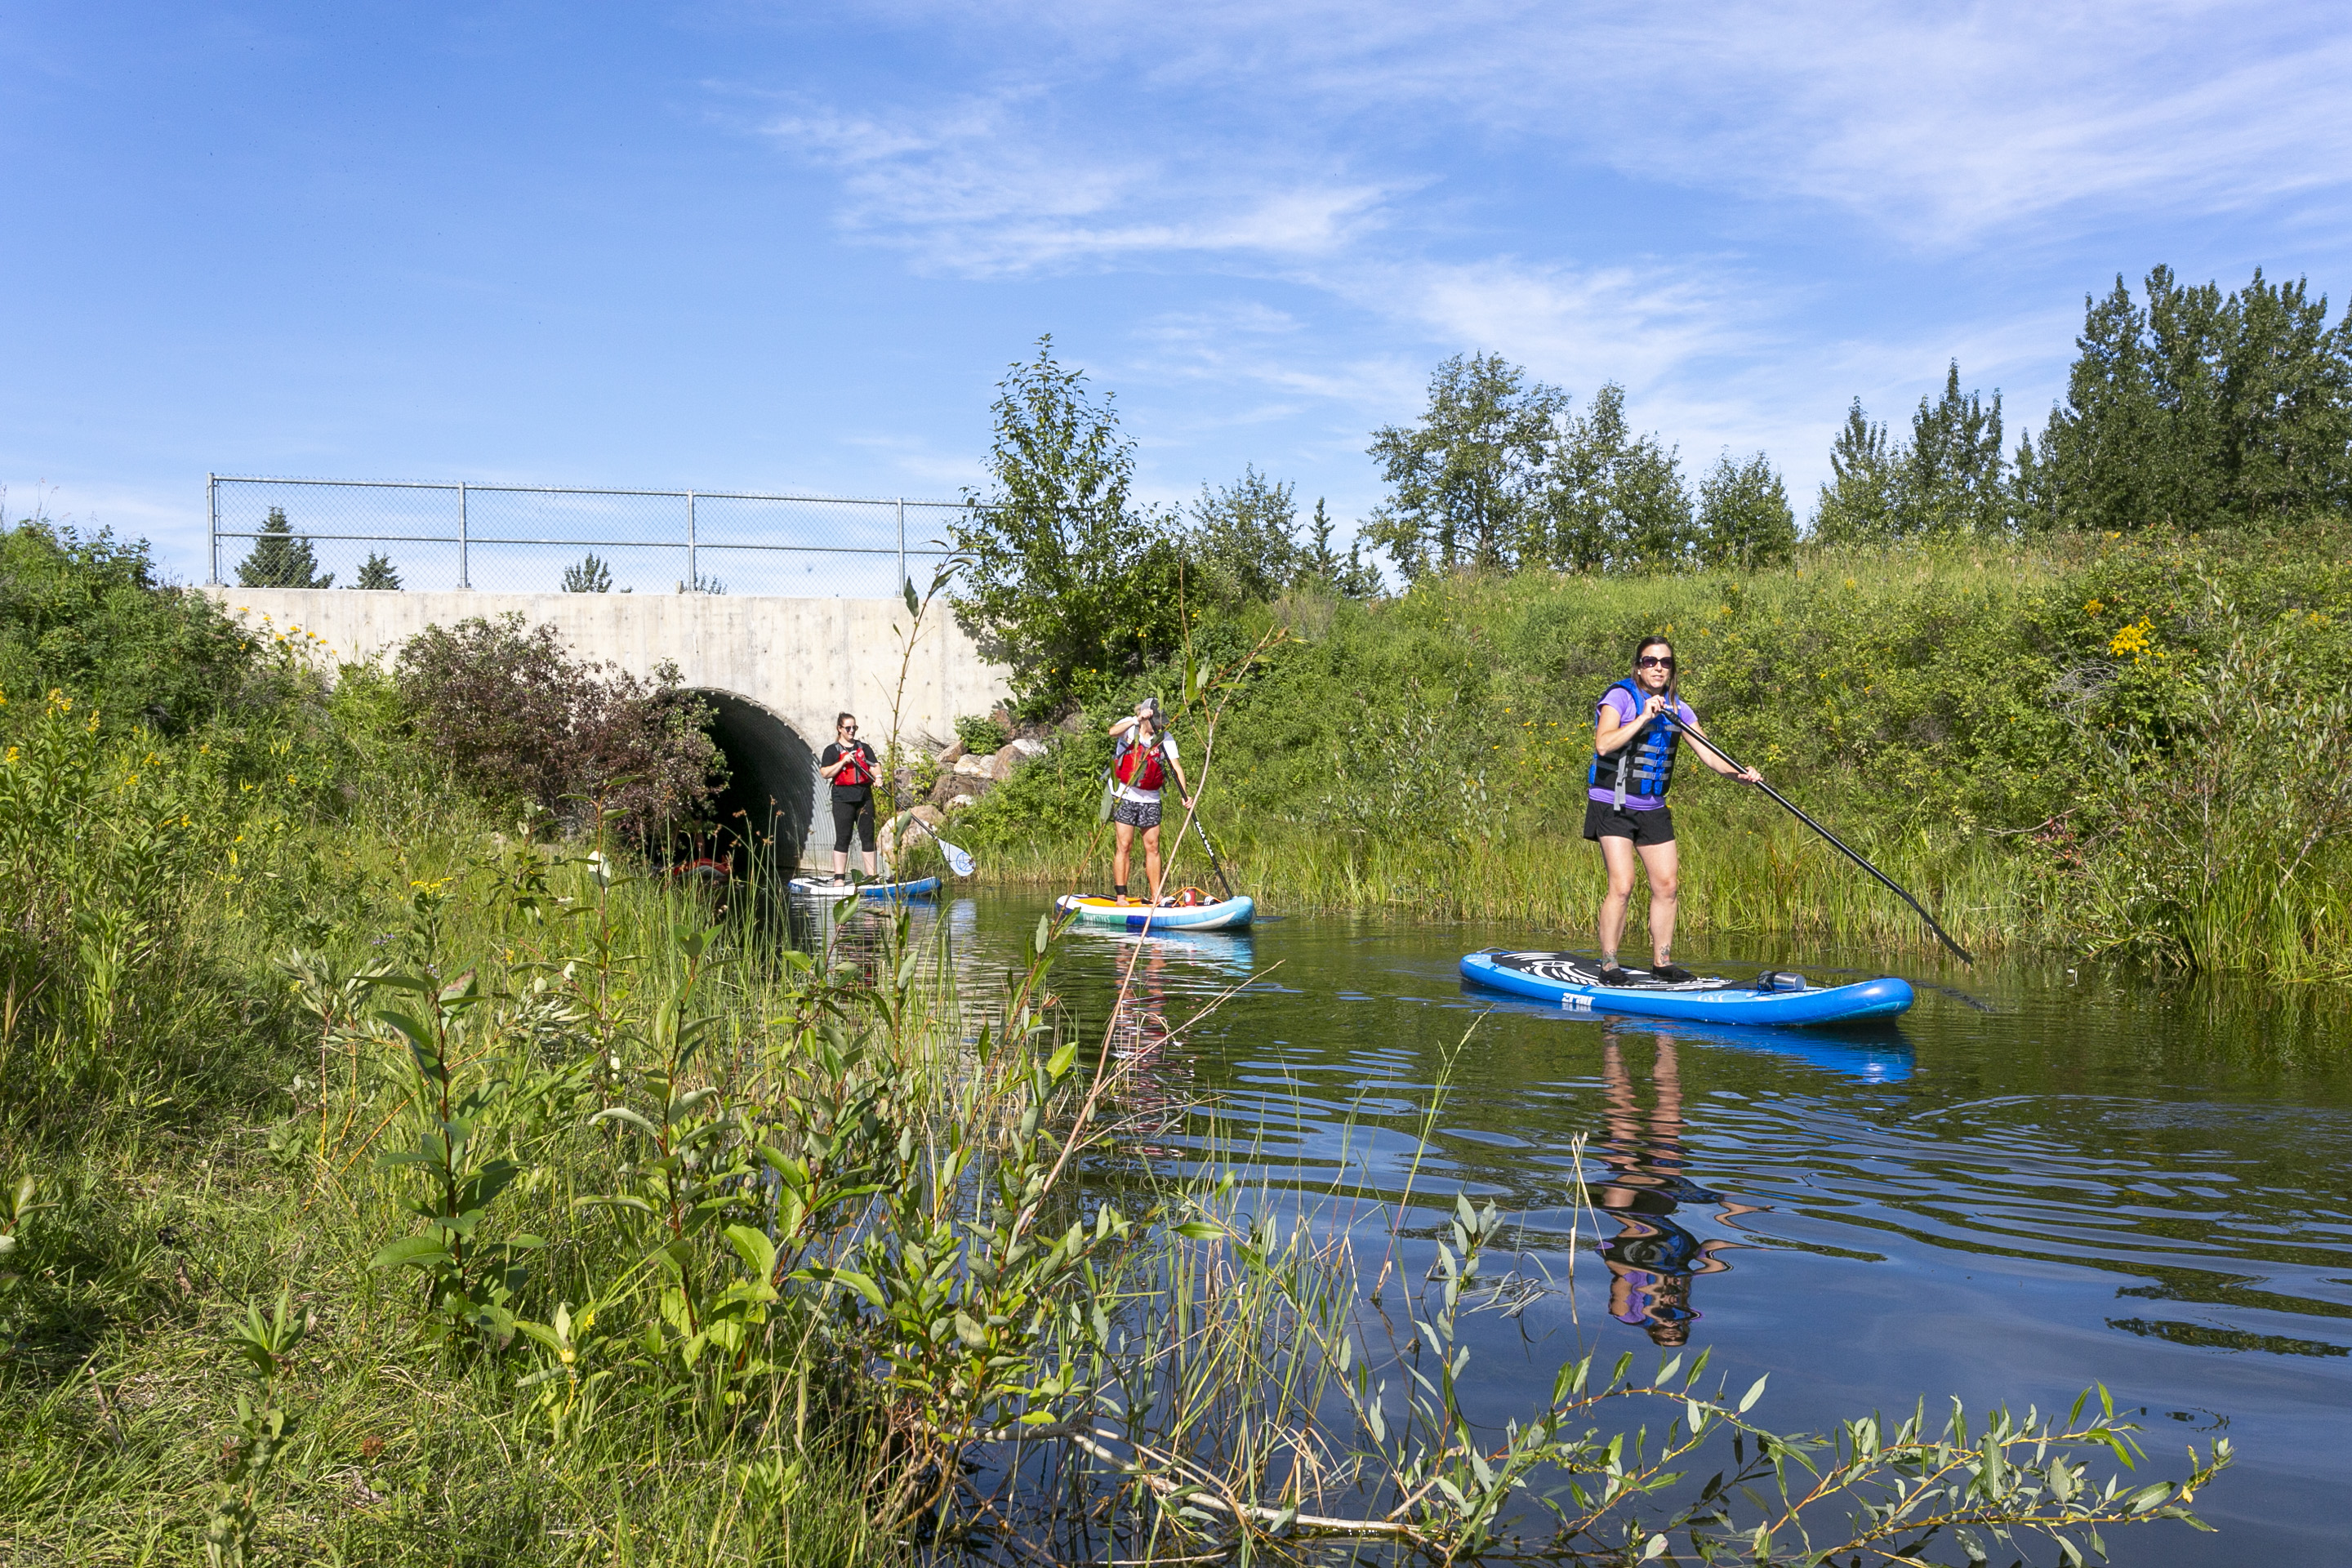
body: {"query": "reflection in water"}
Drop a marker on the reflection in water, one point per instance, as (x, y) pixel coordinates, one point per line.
(1651, 1260)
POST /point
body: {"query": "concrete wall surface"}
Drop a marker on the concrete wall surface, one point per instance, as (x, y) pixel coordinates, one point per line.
(804, 660)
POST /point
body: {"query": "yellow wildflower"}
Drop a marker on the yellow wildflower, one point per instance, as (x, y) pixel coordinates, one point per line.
(2133, 641)
(2094, 607)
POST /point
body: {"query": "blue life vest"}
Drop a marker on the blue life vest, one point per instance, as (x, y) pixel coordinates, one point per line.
(1646, 766)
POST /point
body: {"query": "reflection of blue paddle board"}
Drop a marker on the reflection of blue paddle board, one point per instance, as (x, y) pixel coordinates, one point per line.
(1873, 1050)
(1221, 914)
(1234, 951)
(916, 888)
(1573, 983)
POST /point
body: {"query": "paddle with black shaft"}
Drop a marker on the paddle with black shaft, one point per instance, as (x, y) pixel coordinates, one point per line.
(1839, 845)
(1214, 864)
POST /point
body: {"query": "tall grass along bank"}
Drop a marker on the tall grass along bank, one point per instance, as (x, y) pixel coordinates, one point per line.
(2137, 748)
(390, 1179)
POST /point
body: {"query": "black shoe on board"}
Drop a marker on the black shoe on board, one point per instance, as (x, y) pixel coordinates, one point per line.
(1673, 974)
(1614, 974)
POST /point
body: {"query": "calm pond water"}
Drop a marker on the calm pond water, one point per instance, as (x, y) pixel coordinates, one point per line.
(2032, 1182)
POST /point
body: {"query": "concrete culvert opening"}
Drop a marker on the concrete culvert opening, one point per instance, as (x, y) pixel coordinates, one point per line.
(763, 813)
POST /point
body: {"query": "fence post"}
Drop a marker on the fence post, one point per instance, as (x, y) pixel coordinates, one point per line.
(211, 530)
(693, 582)
(464, 580)
(902, 545)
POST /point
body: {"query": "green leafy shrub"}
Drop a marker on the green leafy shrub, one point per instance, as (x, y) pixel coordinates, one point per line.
(981, 735)
(520, 719)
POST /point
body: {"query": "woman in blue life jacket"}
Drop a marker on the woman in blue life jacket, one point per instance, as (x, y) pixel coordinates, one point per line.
(1635, 728)
(1144, 756)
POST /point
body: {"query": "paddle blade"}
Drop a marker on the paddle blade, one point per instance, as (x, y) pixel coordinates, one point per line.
(958, 861)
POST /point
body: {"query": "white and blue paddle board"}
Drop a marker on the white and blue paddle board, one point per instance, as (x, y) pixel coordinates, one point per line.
(1572, 983)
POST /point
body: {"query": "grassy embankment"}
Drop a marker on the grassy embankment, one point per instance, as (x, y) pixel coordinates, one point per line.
(2126, 747)
(379, 1187)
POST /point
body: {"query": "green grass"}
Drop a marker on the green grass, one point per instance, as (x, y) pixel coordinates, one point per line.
(2136, 749)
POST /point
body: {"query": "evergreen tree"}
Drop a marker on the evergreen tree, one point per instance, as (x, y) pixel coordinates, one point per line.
(1466, 482)
(1245, 539)
(2197, 410)
(376, 572)
(1064, 579)
(1348, 576)
(1952, 478)
(1744, 517)
(590, 576)
(281, 558)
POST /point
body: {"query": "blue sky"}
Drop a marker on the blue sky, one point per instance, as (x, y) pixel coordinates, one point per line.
(738, 245)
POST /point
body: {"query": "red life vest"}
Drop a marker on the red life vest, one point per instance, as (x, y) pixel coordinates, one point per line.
(854, 771)
(1138, 766)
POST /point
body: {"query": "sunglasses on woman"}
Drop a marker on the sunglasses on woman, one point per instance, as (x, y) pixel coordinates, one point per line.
(1652, 662)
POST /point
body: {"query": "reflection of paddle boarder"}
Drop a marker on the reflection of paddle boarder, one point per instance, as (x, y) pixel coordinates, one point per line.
(1651, 1260)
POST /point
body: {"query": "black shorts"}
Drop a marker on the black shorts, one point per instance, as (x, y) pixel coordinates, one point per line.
(1603, 820)
(853, 811)
(1137, 812)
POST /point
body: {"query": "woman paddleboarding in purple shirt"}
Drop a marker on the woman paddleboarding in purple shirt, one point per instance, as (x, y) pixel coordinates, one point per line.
(1635, 728)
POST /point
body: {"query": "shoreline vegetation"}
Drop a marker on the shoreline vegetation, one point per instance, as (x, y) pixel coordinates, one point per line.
(2134, 749)
(393, 1170)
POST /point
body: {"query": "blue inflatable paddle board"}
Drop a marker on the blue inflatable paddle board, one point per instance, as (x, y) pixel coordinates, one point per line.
(1572, 983)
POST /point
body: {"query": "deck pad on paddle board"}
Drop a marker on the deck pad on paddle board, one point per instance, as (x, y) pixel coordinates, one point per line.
(814, 887)
(1221, 914)
(1573, 983)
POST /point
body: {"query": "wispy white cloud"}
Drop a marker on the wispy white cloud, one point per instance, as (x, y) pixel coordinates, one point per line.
(991, 186)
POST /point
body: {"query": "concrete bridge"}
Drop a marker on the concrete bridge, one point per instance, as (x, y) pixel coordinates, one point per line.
(776, 670)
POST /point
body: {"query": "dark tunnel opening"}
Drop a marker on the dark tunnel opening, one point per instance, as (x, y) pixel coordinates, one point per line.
(770, 791)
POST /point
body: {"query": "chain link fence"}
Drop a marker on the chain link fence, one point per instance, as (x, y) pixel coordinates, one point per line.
(538, 538)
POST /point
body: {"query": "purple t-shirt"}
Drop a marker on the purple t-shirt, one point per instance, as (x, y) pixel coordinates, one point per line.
(1622, 702)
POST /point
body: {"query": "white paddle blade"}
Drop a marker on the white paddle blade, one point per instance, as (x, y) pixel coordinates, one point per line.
(958, 861)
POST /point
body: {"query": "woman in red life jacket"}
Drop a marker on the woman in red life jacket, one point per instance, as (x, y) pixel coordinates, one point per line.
(1144, 759)
(849, 766)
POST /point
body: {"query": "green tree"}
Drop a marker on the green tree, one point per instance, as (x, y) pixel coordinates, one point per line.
(1351, 576)
(376, 572)
(281, 558)
(1949, 476)
(1466, 482)
(591, 575)
(1952, 478)
(1612, 501)
(1246, 538)
(2197, 410)
(1744, 517)
(1064, 580)
(1858, 505)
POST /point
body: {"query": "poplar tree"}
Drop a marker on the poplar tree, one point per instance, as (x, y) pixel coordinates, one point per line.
(1246, 538)
(1064, 578)
(1466, 481)
(1744, 517)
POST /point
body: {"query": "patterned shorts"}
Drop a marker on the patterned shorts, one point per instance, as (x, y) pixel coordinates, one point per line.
(1137, 812)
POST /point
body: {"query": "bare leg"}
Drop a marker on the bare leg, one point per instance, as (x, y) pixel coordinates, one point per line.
(1123, 840)
(1664, 866)
(1617, 854)
(1151, 860)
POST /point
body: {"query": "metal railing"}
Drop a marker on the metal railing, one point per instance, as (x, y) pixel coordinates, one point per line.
(527, 538)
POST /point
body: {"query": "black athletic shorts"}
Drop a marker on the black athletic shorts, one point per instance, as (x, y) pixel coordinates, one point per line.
(1603, 820)
(853, 809)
